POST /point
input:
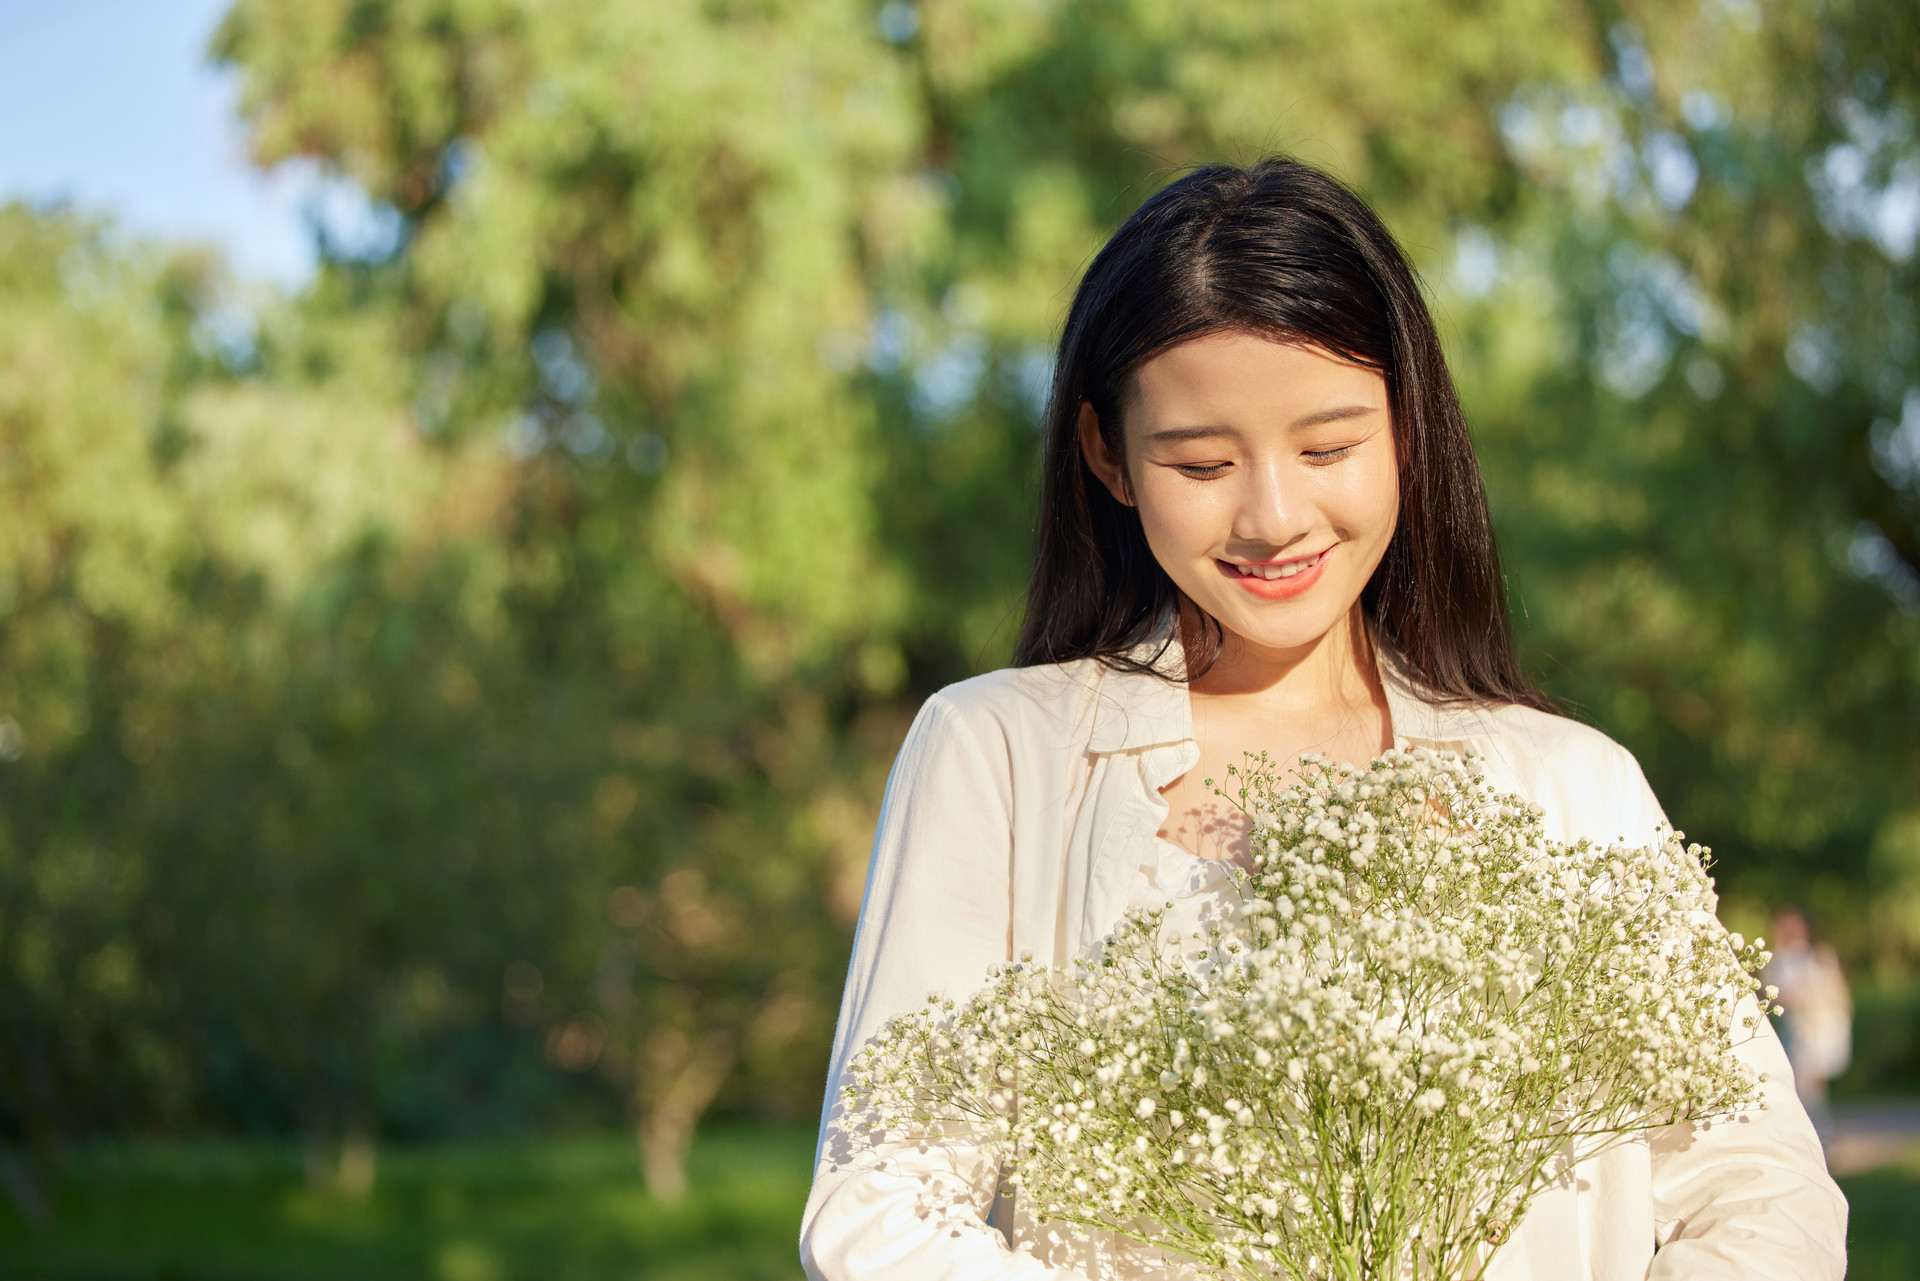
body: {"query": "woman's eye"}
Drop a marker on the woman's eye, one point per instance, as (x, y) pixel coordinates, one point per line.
(1328, 455)
(1201, 471)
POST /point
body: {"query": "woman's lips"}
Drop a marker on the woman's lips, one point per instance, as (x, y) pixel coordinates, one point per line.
(1294, 576)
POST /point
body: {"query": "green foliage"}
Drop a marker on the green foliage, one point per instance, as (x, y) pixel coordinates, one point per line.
(239, 612)
(660, 191)
(495, 653)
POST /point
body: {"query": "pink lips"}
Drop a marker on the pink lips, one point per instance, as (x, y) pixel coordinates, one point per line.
(1278, 588)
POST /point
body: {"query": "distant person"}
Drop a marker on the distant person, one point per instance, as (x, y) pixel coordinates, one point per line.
(1817, 1027)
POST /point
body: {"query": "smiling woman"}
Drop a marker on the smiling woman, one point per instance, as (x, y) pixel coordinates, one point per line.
(1306, 312)
(1262, 530)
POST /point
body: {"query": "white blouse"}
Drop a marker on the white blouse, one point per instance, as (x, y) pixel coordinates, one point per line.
(1021, 815)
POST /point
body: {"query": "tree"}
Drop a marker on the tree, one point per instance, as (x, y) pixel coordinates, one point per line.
(657, 192)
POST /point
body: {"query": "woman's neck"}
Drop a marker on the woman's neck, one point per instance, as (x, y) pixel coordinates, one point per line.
(1338, 669)
(1324, 698)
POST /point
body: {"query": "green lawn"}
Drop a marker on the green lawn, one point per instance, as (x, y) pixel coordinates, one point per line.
(573, 1210)
(1883, 1235)
(566, 1210)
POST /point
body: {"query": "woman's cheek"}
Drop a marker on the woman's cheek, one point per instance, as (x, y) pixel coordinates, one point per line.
(1180, 527)
(1364, 502)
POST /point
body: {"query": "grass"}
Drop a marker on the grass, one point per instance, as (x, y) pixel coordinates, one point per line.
(553, 1209)
(1883, 1230)
(529, 1212)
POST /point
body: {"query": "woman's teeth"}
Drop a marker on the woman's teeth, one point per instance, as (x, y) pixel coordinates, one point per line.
(1287, 570)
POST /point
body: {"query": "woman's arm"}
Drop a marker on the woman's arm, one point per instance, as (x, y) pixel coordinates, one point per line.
(937, 915)
(1746, 1199)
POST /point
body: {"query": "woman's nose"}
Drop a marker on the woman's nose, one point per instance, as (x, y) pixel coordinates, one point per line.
(1270, 514)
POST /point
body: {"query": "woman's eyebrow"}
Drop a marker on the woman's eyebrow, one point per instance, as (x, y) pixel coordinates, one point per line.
(1174, 435)
(1339, 413)
(1334, 415)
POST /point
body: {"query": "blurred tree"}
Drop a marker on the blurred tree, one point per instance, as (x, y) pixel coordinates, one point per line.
(241, 620)
(82, 373)
(613, 218)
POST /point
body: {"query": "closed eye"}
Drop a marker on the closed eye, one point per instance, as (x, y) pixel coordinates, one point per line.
(1201, 471)
(1328, 455)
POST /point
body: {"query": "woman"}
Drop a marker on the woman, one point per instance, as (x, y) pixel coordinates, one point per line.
(1262, 529)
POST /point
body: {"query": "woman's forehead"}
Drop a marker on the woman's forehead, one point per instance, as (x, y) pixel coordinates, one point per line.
(1233, 382)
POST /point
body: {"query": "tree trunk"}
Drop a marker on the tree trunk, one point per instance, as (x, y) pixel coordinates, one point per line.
(677, 1080)
(353, 1176)
(344, 1166)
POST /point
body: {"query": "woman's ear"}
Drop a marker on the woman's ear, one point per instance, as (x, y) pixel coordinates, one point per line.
(1100, 460)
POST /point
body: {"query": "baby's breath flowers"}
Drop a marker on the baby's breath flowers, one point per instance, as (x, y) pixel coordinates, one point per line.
(1370, 1060)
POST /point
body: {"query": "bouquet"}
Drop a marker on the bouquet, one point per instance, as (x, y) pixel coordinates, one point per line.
(1369, 1060)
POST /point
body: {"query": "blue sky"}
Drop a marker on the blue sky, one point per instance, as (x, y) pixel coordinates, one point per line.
(110, 105)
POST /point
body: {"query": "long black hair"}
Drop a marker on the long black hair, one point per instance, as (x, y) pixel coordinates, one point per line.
(1284, 251)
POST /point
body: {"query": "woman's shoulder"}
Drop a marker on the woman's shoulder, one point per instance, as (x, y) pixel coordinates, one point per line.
(1541, 742)
(1046, 704)
(1586, 780)
(1554, 739)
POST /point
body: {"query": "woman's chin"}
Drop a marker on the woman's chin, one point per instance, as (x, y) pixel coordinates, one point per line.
(1300, 628)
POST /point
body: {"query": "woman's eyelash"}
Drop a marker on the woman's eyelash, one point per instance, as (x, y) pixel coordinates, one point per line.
(1206, 471)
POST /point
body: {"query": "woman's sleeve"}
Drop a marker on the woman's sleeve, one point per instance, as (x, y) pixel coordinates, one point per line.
(936, 916)
(1748, 1198)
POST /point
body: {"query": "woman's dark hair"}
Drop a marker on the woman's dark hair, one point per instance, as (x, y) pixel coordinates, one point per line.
(1286, 252)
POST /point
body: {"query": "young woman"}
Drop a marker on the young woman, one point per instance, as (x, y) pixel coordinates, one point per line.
(1262, 529)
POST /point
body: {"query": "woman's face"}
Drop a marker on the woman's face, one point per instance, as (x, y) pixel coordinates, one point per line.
(1266, 480)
